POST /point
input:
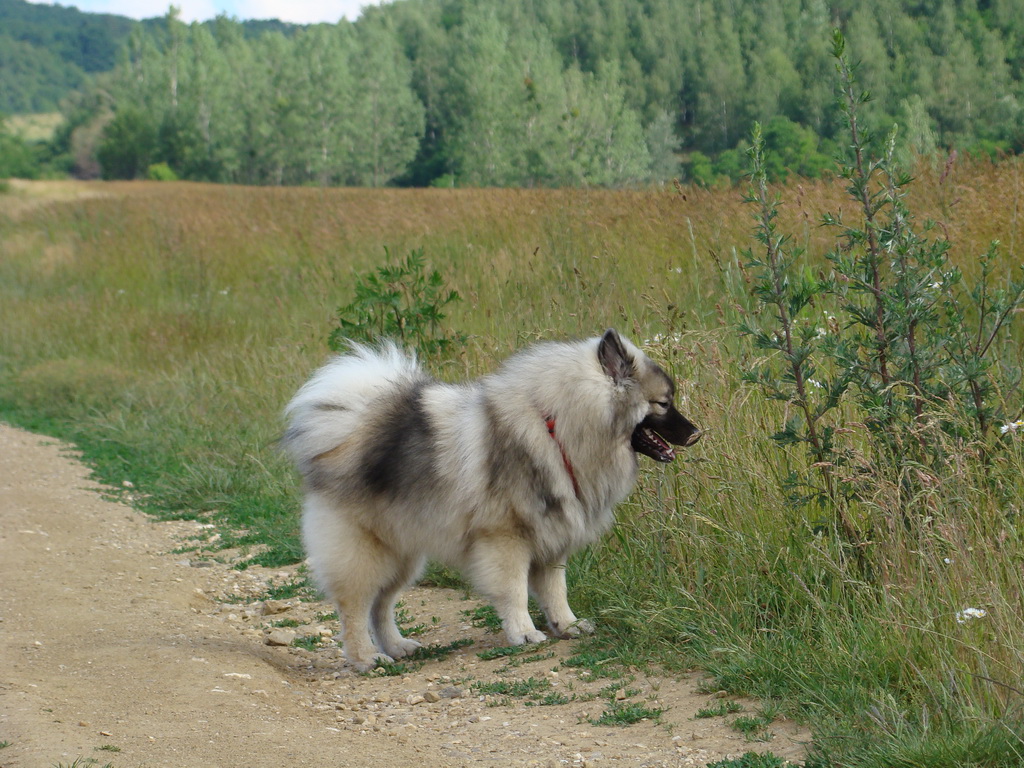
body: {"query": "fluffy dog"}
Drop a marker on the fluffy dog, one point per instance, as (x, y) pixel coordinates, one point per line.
(503, 477)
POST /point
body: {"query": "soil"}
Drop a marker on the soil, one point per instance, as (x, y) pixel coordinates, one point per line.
(122, 644)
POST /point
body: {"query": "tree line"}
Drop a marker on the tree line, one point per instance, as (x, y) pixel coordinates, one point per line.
(547, 92)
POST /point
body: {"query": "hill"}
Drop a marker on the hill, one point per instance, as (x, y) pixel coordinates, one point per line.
(515, 92)
(47, 51)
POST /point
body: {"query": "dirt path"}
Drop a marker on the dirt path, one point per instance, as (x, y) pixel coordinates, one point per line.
(116, 649)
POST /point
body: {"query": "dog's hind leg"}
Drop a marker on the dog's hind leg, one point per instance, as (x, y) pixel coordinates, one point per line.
(547, 583)
(382, 614)
(352, 567)
(499, 567)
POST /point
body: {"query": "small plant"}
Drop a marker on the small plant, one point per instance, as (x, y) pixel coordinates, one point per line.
(300, 587)
(392, 669)
(531, 686)
(309, 642)
(403, 302)
(597, 663)
(286, 623)
(723, 709)
(551, 699)
(415, 660)
(428, 652)
(752, 760)
(516, 650)
(404, 620)
(108, 748)
(484, 617)
(627, 714)
(753, 728)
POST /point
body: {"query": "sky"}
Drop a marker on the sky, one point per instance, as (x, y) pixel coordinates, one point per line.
(296, 11)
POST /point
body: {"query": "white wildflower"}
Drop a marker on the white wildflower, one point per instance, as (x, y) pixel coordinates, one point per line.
(815, 383)
(936, 285)
(947, 560)
(1013, 426)
(962, 617)
(822, 333)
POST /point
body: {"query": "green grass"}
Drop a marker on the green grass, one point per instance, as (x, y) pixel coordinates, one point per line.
(723, 709)
(484, 617)
(751, 760)
(307, 642)
(627, 714)
(530, 686)
(417, 658)
(517, 652)
(752, 728)
(535, 691)
(162, 328)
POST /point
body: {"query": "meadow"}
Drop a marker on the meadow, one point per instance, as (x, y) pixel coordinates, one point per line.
(162, 327)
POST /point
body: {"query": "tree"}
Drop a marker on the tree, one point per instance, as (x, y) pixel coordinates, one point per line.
(388, 118)
(129, 144)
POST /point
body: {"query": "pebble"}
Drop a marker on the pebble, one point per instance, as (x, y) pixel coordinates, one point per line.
(272, 607)
(279, 637)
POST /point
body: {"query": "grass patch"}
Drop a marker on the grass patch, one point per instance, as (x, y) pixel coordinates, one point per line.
(518, 688)
(417, 658)
(536, 692)
(753, 728)
(512, 651)
(751, 760)
(308, 642)
(723, 709)
(627, 714)
(596, 661)
(710, 563)
(484, 617)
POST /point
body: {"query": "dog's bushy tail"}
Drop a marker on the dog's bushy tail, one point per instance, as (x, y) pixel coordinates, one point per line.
(334, 403)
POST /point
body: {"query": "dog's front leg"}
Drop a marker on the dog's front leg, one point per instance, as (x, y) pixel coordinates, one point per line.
(547, 583)
(499, 566)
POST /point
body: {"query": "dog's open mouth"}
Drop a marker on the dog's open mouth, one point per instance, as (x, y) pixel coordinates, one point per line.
(648, 442)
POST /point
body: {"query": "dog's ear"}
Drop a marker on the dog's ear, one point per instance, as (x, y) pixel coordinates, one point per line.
(615, 360)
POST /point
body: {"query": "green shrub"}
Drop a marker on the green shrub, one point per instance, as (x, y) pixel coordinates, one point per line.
(402, 302)
(161, 172)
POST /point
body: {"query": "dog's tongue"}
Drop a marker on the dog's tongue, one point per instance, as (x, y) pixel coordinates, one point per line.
(664, 448)
(650, 443)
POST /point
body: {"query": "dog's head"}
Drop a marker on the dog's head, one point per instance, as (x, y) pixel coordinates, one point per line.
(659, 425)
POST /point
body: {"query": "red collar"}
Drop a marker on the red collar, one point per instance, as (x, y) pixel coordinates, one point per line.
(549, 421)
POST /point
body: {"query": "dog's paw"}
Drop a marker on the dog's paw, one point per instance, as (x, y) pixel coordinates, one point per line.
(403, 647)
(368, 665)
(531, 636)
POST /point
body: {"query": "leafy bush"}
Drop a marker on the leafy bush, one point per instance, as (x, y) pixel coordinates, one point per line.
(403, 302)
(885, 364)
(161, 172)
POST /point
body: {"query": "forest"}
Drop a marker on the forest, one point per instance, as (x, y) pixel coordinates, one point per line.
(538, 92)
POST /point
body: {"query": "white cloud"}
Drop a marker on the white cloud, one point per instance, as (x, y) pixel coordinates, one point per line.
(300, 11)
(295, 11)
